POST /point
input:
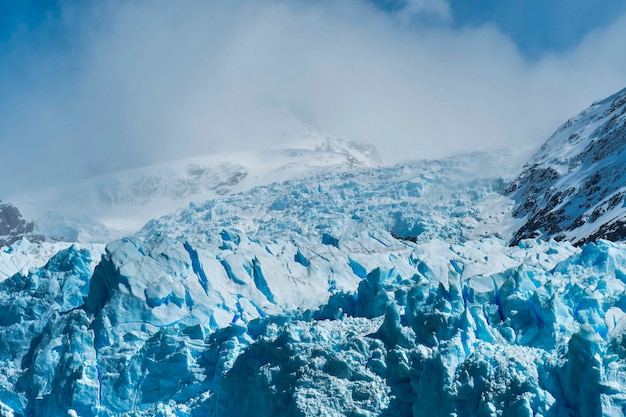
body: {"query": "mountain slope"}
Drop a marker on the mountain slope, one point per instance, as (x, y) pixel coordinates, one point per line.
(574, 186)
(104, 208)
(14, 227)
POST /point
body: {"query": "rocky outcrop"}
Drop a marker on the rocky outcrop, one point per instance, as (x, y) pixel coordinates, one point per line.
(14, 227)
(574, 187)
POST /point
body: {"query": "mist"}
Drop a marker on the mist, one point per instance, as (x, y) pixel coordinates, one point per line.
(111, 85)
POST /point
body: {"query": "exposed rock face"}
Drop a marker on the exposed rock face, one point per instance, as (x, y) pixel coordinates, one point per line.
(13, 226)
(574, 186)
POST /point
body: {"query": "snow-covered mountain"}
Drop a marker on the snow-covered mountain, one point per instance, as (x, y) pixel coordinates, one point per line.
(574, 187)
(380, 291)
(103, 208)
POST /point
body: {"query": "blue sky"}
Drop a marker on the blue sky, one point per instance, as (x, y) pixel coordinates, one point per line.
(88, 87)
(540, 26)
(537, 27)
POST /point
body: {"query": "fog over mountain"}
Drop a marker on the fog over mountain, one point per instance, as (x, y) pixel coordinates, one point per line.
(97, 87)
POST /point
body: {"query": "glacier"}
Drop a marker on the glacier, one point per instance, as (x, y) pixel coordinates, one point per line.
(377, 303)
(371, 291)
(472, 328)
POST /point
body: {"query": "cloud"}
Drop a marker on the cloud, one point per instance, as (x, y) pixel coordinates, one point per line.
(118, 84)
(536, 26)
(423, 11)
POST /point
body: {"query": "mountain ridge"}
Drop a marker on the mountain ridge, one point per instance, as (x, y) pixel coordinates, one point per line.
(574, 186)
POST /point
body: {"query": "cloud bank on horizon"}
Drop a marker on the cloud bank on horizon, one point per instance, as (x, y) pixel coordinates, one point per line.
(89, 87)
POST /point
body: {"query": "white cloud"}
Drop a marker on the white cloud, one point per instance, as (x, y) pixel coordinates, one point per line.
(435, 8)
(151, 80)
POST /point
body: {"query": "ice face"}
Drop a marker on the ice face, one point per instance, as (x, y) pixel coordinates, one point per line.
(466, 329)
(525, 341)
(46, 347)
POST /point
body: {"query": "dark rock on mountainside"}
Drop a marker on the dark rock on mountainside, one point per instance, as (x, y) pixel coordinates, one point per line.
(574, 187)
(13, 226)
